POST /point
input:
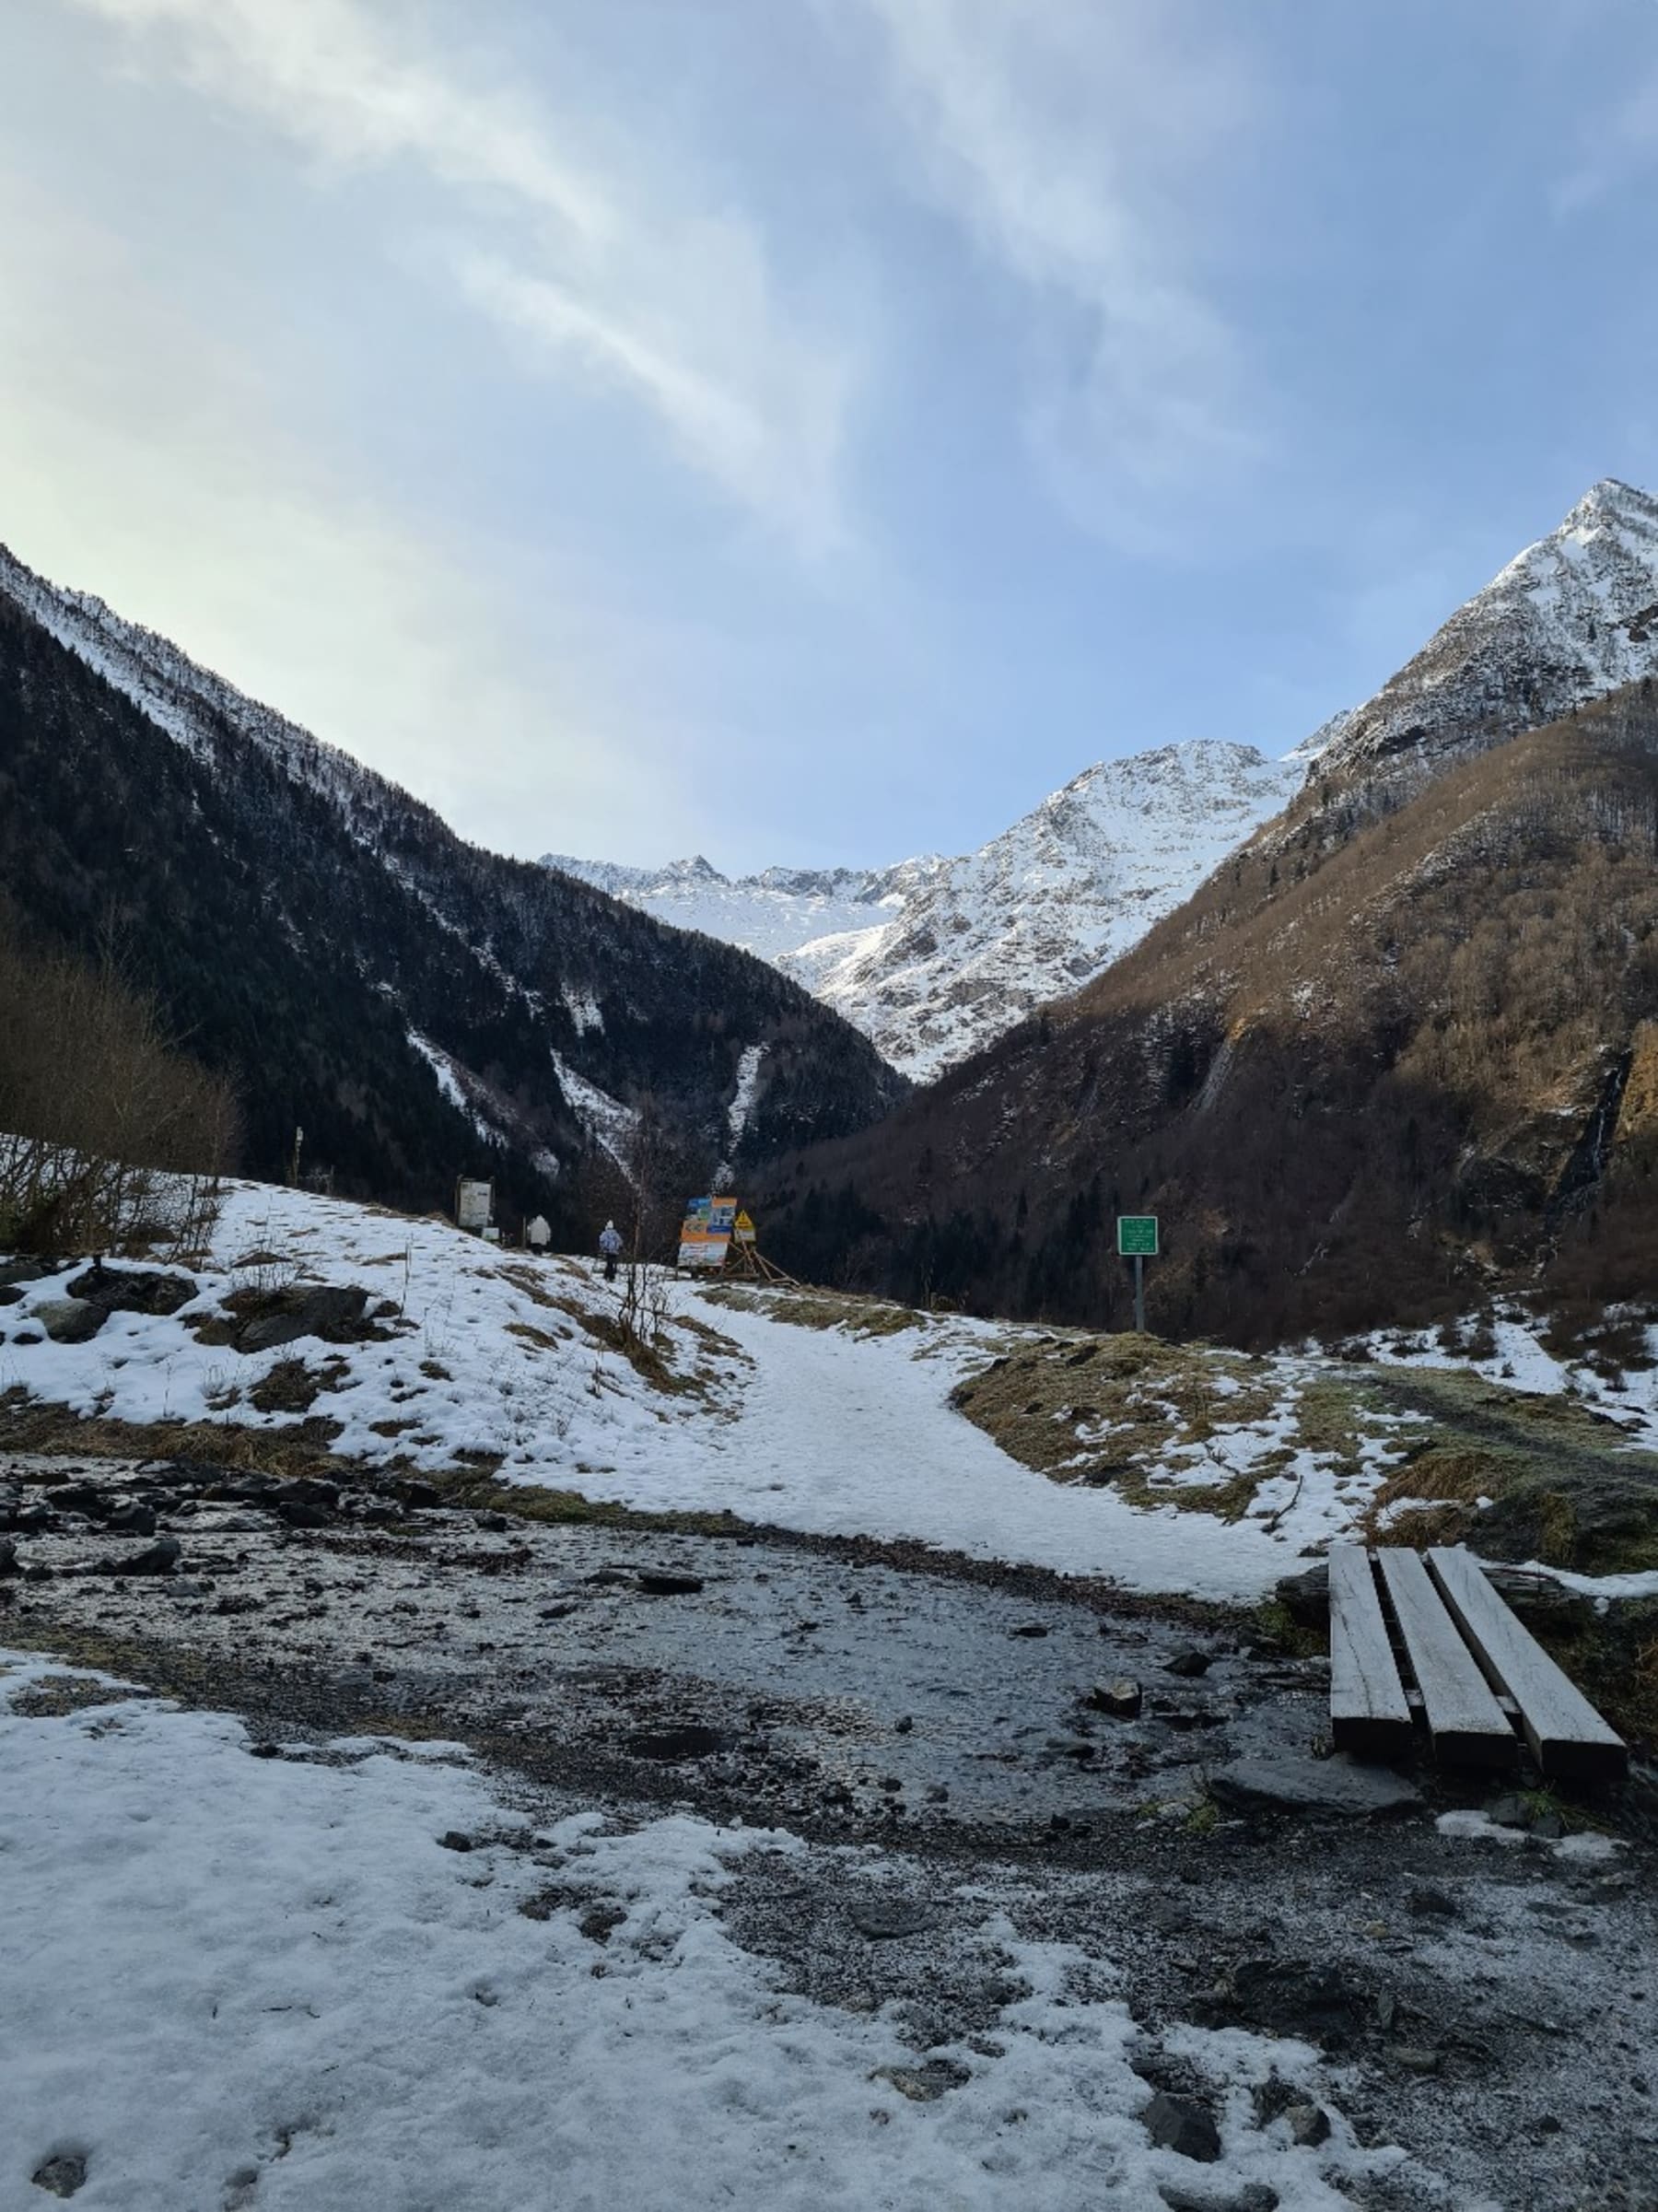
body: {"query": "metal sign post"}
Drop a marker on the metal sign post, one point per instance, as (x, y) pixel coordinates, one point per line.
(1137, 1240)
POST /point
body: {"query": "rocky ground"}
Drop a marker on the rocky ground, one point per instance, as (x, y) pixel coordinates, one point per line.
(968, 1751)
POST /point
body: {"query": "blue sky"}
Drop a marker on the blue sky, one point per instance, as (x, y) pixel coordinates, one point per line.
(812, 430)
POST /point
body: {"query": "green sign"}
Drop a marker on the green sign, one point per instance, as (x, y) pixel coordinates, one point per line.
(1137, 1236)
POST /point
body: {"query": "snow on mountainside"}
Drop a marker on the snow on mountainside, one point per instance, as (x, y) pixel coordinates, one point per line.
(1570, 619)
(934, 957)
(418, 1005)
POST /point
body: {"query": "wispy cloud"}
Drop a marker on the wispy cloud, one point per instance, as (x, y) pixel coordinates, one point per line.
(611, 272)
(1619, 143)
(1069, 138)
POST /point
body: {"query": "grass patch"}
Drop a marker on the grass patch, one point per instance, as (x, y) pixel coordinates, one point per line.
(820, 1310)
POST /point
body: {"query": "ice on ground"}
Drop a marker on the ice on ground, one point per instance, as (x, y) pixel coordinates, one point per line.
(266, 1981)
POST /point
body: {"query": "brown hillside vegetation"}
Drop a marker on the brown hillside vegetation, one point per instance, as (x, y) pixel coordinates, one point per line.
(1373, 1069)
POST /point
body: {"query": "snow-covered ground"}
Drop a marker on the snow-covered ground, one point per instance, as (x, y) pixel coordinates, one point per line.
(819, 1430)
(236, 1982)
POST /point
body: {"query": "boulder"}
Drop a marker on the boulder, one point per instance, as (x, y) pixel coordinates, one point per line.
(70, 1320)
(1183, 2126)
(1122, 1697)
(1332, 1787)
(1188, 1664)
(133, 1290)
(332, 1312)
(159, 1558)
(22, 1270)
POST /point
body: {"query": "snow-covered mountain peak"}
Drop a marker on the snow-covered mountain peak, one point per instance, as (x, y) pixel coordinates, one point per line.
(934, 957)
(1568, 619)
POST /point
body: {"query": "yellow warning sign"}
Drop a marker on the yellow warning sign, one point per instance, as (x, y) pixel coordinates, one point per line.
(743, 1228)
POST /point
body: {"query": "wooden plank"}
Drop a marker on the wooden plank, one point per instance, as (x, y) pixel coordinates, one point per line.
(1568, 1736)
(1369, 1715)
(1463, 1719)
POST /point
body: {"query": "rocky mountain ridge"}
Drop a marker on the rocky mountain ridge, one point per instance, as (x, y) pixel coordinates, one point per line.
(934, 958)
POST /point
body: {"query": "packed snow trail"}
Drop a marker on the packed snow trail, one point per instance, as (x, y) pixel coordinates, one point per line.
(842, 1434)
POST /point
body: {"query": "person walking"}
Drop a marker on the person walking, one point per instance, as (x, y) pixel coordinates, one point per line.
(609, 1245)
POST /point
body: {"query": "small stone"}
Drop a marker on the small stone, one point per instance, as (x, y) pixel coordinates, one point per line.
(62, 2175)
(1309, 2125)
(8, 1557)
(1121, 1698)
(1426, 1903)
(663, 1583)
(1029, 1628)
(1254, 2196)
(1416, 2059)
(159, 1558)
(495, 1523)
(903, 1726)
(1188, 1664)
(1509, 1812)
(1183, 2126)
(1548, 1827)
(132, 1519)
(887, 1919)
(453, 1840)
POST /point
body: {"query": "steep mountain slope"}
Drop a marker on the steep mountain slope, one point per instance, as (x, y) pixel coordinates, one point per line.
(420, 1007)
(1401, 1046)
(1360, 1082)
(934, 958)
(1569, 620)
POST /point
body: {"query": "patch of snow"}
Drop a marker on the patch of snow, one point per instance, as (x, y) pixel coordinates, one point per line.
(610, 1123)
(443, 1067)
(240, 1981)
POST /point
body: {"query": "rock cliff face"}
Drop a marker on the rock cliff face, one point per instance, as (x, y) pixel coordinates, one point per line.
(934, 958)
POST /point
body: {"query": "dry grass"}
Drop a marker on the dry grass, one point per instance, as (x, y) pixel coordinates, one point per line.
(859, 1315)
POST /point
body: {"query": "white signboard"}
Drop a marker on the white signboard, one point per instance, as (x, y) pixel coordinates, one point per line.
(474, 1202)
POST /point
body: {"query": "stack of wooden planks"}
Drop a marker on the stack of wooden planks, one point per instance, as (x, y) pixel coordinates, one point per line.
(1426, 1637)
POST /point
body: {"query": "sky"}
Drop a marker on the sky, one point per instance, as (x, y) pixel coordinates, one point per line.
(810, 431)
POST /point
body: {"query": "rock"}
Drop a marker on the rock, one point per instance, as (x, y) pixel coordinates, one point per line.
(663, 1583)
(1548, 1827)
(159, 1558)
(1188, 1664)
(335, 1312)
(132, 1519)
(1306, 1598)
(1427, 1904)
(22, 1270)
(1509, 1812)
(80, 1497)
(10, 1294)
(1311, 1786)
(923, 2085)
(417, 1495)
(1309, 2125)
(496, 1524)
(1289, 1997)
(1254, 2196)
(1415, 2059)
(888, 1919)
(8, 1557)
(1122, 1697)
(688, 1740)
(70, 1320)
(1273, 2098)
(1183, 2126)
(27, 1336)
(133, 1290)
(1029, 1628)
(62, 2175)
(452, 1840)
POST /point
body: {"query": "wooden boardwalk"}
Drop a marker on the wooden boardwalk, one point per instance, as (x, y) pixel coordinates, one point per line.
(1428, 1638)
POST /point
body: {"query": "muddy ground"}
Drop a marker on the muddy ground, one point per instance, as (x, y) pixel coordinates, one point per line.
(1487, 2001)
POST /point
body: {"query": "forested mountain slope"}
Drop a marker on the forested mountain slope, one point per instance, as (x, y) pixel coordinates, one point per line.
(419, 1006)
(1377, 1065)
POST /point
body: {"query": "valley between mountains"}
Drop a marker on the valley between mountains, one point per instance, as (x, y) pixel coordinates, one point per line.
(481, 1732)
